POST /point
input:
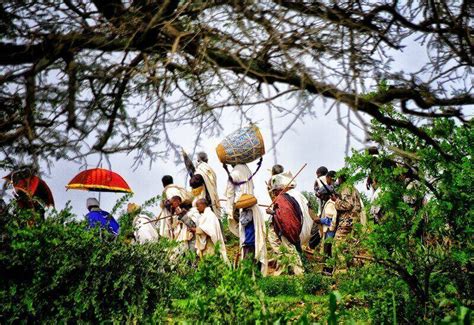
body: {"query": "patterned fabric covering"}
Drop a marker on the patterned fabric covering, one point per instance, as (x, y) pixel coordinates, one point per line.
(242, 146)
(288, 218)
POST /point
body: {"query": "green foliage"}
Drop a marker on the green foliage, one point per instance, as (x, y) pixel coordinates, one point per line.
(388, 297)
(315, 283)
(309, 283)
(282, 285)
(228, 295)
(427, 222)
(312, 201)
(55, 270)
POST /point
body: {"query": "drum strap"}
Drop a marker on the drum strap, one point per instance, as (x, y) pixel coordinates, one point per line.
(259, 164)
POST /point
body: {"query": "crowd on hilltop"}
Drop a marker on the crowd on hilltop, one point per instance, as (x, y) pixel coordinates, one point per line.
(290, 226)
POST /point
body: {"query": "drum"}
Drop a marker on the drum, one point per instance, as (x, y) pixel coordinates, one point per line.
(246, 201)
(242, 146)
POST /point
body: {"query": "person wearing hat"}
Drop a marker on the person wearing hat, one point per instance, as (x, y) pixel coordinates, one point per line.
(100, 218)
(280, 182)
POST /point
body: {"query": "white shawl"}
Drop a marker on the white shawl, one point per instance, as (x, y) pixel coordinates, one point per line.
(210, 180)
(209, 224)
(307, 224)
(166, 226)
(144, 230)
(233, 192)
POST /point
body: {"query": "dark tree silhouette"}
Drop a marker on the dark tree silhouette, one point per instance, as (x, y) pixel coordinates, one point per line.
(81, 76)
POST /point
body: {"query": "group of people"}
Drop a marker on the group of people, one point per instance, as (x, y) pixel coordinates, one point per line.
(289, 225)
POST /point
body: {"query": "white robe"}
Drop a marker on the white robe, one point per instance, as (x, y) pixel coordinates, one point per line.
(210, 180)
(167, 225)
(209, 224)
(329, 211)
(307, 222)
(144, 229)
(242, 173)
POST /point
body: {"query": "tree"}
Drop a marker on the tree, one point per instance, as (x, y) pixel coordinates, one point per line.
(82, 76)
(424, 236)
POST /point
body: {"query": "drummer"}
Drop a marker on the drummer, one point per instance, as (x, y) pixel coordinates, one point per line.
(240, 185)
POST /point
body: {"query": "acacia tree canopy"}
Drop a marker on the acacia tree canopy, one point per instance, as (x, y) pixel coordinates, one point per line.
(82, 76)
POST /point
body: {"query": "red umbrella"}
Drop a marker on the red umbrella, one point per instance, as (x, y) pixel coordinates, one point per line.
(32, 186)
(99, 180)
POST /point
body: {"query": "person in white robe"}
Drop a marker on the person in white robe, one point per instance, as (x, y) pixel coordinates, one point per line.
(208, 232)
(210, 183)
(240, 182)
(185, 223)
(168, 222)
(143, 226)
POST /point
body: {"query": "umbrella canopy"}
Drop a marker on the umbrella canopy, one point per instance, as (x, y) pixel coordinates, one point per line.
(99, 180)
(32, 186)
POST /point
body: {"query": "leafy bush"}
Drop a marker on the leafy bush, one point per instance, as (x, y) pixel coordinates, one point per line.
(221, 294)
(55, 270)
(315, 283)
(280, 286)
(388, 297)
(426, 219)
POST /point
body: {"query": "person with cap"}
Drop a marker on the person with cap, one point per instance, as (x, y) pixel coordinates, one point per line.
(284, 181)
(100, 218)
